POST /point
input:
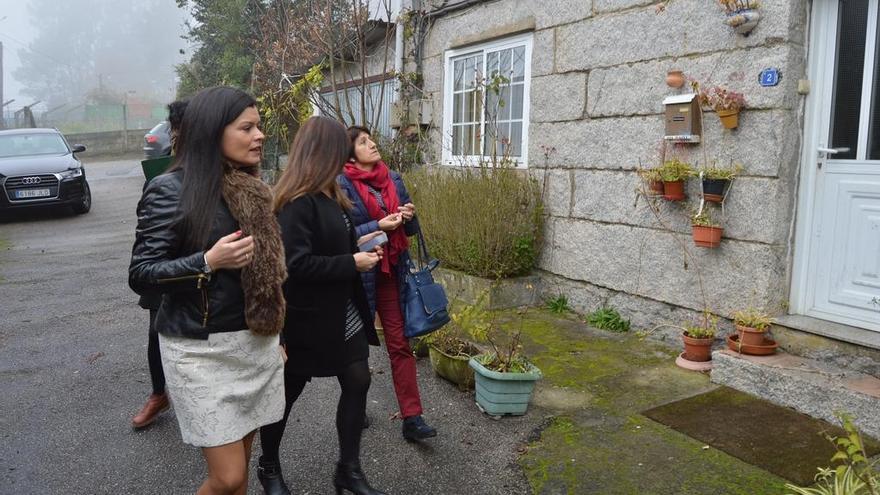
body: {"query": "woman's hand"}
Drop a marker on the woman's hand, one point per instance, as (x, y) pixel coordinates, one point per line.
(391, 222)
(231, 251)
(407, 211)
(365, 262)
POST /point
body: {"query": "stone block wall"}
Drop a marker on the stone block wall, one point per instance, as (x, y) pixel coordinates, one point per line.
(598, 70)
(108, 142)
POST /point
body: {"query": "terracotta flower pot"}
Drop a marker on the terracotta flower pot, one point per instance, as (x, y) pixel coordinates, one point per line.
(674, 79)
(750, 336)
(709, 237)
(729, 118)
(655, 187)
(699, 350)
(673, 191)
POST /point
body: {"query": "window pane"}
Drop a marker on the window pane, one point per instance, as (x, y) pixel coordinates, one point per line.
(516, 101)
(493, 105)
(473, 106)
(519, 64)
(848, 76)
(492, 64)
(457, 108)
(470, 136)
(516, 139)
(456, 140)
(504, 64)
(458, 74)
(504, 111)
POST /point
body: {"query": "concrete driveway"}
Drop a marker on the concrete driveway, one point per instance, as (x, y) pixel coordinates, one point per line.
(73, 370)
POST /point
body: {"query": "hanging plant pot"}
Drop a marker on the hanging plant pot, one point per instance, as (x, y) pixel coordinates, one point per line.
(713, 189)
(698, 350)
(675, 79)
(729, 118)
(743, 21)
(706, 236)
(673, 191)
(655, 187)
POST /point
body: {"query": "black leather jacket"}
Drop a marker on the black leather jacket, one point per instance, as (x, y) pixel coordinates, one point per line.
(194, 304)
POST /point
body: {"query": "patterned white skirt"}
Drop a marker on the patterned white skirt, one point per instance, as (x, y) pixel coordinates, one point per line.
(225, 387)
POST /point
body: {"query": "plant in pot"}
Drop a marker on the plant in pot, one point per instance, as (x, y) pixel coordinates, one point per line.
(751, 326)
(742, 15)
(716, 180)
(727, 104)
(505, 378)
(652, 177)
(674, 173)
(449, 348)
(706, 230)
(698, 338)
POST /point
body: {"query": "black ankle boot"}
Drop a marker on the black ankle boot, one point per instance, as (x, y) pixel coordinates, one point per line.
(351, 478)
(269, 474)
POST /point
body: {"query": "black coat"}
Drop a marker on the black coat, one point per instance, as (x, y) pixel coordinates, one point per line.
(322, 278)
(193, 304)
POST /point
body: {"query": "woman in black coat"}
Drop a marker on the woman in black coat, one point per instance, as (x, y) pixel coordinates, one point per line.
(328, 326)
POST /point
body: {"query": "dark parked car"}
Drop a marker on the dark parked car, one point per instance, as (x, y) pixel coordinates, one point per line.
(39, 168)
(157, 142)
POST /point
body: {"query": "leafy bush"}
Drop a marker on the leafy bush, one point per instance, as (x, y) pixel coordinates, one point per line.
(483, 221)
(608, 318)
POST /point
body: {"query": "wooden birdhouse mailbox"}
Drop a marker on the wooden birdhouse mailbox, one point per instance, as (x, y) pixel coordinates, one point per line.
(684, 122)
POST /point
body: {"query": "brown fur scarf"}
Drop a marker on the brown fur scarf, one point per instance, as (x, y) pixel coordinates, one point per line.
(250, 201)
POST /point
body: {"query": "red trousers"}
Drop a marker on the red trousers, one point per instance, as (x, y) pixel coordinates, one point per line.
(403, 363)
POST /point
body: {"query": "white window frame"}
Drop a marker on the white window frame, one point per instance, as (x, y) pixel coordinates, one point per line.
(526, 40)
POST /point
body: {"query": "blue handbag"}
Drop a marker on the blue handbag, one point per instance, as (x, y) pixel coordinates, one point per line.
(425, 301)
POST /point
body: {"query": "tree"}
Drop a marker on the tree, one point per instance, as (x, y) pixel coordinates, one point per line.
(223, 31)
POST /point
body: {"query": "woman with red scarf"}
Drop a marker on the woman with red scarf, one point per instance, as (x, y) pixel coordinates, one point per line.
(381, 203)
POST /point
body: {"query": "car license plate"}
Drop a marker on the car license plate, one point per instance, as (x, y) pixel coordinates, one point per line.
(31, 193)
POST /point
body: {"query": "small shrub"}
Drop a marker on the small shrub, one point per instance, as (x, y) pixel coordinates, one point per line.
(558, 304)
(608, 318)
(484, 221)
(752, 318)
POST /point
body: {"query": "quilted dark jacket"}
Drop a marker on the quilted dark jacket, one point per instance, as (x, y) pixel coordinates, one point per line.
(193, 304)
(364, 224)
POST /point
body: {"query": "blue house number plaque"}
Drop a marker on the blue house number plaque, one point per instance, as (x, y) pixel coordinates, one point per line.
(769, 77)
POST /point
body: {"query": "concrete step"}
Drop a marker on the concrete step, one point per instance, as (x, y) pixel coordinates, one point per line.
(813, 387)
(849, 347)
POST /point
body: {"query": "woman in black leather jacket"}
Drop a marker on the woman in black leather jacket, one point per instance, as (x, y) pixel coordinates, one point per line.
(207, 240)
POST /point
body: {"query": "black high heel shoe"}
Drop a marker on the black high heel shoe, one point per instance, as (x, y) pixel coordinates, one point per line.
(351, 478)
(269, 474)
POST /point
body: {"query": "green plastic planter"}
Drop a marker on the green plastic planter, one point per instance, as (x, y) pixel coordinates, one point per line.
(503, 393)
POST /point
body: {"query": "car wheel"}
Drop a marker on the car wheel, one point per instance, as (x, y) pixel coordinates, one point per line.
(85, 203)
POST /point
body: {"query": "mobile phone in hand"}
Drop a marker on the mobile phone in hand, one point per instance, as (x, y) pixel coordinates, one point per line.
(370, 245)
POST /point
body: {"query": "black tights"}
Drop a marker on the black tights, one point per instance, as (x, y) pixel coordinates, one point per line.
(354, 381)
(157, 374)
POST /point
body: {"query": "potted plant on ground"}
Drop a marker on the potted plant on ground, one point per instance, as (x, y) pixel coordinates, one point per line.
(674, 172)
(716, 180)
(706, 230)
(505, 378)
(652, 177)
(698, 338)
(449, 349)
(727, 104)
(751, 325)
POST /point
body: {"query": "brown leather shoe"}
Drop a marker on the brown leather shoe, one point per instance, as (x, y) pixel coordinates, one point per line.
(156, 404)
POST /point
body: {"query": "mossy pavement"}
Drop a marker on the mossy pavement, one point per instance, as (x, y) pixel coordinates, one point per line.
(595, 386)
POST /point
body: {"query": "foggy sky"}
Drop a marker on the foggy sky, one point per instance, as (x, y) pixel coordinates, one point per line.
(141, 63)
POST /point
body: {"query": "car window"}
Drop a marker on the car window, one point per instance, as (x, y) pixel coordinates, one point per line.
(161, 128)
(32, 144)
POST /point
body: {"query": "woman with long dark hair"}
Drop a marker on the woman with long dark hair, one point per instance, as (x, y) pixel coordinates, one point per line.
(381, 203)
(328, 326)
(208, 242)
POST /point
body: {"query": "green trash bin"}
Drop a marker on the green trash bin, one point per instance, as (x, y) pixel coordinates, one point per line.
(155, 166)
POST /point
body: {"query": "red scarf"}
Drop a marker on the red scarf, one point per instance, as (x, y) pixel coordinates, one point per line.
(380, 179)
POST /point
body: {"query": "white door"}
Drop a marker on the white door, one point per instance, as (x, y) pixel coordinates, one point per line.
(840, 224)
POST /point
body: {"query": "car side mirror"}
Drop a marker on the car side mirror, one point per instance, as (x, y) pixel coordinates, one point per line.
(78, 148)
